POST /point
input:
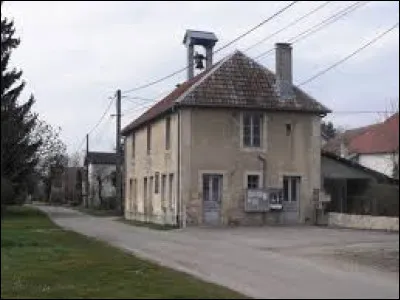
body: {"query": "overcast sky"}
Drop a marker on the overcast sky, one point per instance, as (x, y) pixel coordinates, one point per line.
(76, 54)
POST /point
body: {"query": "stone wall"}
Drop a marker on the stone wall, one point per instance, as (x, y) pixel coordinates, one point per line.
(363, 222)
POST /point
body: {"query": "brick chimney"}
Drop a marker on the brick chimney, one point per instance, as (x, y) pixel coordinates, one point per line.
(283, 66)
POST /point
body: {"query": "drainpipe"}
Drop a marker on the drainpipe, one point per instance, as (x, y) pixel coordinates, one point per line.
(264, 184)
(179, 200)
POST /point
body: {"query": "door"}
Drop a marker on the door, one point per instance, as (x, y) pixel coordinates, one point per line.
(145, 200)
(212, 196)
(291, 199)
(151, 192)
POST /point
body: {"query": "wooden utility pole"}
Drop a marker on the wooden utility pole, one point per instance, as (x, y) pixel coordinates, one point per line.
(87, 172)
(118, 154)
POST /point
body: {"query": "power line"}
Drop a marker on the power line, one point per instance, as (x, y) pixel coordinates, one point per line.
(219, 49)
(98, 122)
(349, 56)
(289, 25)
(103, 115)
(103, 126)
(257, 26)
(135, 99)
(137, 108)
(328, 21)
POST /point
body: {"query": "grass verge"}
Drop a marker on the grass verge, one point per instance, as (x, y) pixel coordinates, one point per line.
(40, 260)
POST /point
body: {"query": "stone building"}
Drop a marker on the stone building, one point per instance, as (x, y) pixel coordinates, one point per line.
(235, 126)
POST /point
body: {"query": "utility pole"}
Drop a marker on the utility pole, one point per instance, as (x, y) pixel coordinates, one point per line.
(87, 172)
(118, 155)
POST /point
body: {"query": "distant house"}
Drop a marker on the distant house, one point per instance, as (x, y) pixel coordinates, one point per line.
(375, 146)
(192, 157)
(72, 179)
(100, 168)
(57, 187)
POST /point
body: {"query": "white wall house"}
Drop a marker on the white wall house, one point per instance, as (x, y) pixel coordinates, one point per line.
(101, 175)
(375, 146)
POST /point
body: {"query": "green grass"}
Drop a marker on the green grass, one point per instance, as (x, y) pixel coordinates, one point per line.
(40, 260)
(148, 224)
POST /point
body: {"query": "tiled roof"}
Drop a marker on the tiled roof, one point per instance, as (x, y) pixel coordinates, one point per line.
(164, 104)
(236, 81)
(333, 145)
(383, 138)
(101, 158)
(376, 138)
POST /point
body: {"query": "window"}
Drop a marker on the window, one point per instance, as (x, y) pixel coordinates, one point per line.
(130, 194)
(252, 130)
(151, 195)
(168, 133)
(148, 139)
(133, 145)
(157, 183)
(291, 186)
(253, 181)
(170, 191)
(135, 195)
(163, 190)
(145, 195)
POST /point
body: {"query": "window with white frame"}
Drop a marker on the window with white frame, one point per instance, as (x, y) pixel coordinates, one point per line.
(291, 188)
(135, 195)
(148, 139)
(252, 123)
(163, 190)
(130, 198)
(168, 133)
(171, 191)
(253, 181)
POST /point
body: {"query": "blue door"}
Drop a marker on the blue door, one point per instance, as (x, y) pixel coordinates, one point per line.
(212, 198)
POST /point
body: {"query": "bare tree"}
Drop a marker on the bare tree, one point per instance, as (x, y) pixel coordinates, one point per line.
(101, 175)
(75, 159)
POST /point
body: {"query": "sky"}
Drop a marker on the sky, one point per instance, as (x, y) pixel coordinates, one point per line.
(75, 55)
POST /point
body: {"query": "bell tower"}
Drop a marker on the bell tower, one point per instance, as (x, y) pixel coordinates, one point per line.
(198, 38)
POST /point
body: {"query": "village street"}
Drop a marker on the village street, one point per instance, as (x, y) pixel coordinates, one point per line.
(270, 262)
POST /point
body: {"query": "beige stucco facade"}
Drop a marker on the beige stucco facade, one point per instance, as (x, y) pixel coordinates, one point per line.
(150, 204)
(211, 142)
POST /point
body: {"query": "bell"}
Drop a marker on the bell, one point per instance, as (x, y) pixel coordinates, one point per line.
(198, 58)
(199, 64)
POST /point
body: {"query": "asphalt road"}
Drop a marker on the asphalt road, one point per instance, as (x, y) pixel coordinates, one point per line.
(262, 262)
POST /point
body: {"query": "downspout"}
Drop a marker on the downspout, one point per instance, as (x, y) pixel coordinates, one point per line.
(178, 173)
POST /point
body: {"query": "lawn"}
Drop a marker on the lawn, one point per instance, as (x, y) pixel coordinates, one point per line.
(40, 260)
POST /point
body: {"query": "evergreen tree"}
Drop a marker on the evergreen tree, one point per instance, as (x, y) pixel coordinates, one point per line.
(328, 129)
(18, 149)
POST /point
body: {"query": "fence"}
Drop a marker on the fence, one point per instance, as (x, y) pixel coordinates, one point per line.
(376, 200)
